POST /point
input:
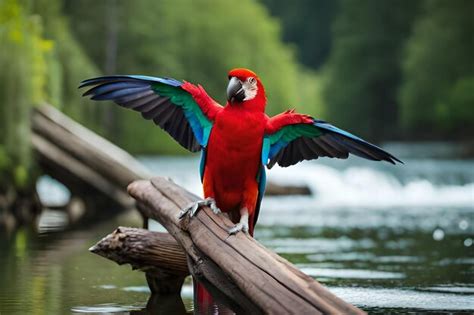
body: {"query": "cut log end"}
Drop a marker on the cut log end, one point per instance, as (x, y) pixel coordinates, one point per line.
(157, 254)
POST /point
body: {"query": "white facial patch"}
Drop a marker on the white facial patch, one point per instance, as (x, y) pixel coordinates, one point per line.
(250, 88)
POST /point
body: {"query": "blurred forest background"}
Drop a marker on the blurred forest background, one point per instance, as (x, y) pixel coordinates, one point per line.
(386, 70)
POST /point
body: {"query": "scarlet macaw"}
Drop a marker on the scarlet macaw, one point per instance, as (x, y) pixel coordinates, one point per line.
(237, 141)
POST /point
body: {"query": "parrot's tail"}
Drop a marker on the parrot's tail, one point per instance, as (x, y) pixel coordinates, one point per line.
(205, 304)
(202, 297)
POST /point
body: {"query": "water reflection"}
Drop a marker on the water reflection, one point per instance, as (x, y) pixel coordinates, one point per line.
(156, 305)
(53, 272)
(106, 308)
(163, 305)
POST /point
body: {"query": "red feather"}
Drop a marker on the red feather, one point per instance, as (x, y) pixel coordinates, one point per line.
(233, 160)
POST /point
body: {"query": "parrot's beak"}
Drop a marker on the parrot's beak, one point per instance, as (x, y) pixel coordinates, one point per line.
(235, 91)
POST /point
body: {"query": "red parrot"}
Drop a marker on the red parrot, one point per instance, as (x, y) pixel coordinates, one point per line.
(237, 140)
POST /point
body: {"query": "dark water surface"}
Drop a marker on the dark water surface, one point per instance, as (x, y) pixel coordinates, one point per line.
(381, 237)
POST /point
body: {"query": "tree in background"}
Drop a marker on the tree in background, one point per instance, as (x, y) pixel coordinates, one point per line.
(437, 95)
(307, 24)
(363, 72)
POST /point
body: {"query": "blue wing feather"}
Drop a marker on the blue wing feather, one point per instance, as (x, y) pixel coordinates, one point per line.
(328, 127)
(159, 99)
(110, 78)
(202, 164)
(119, 93)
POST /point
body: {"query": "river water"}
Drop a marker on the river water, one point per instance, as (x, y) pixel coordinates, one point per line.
(385, 238)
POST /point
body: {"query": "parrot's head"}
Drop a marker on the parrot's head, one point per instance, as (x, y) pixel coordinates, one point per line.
(245, 87)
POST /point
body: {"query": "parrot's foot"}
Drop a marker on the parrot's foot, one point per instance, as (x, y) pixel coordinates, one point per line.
(241, 226)
(193, 208)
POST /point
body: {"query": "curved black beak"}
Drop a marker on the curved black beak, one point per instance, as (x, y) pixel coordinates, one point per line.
(235, 91)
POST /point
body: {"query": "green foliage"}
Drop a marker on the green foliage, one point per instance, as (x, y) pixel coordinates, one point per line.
(20, 176)
(384, 72)
(69, 66)
(437, 95)
(456, 112)
(40, 62)
(364, 68)
(199, 41)
(307, 24)
(310, 98)
(5, 166)
(23, 60)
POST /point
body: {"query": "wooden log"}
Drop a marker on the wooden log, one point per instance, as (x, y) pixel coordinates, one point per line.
(75, 174)
(92, 168)
(235, 267)
(101, 155)
(157, 254)
(87, 186)
(274, 189)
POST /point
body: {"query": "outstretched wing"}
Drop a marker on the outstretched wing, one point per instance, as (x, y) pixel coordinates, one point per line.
(292, 138)
(182, 109)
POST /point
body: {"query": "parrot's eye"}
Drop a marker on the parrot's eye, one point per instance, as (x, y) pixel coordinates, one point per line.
(252, 80)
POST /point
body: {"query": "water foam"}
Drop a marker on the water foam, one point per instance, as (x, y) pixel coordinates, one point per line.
(367, 187)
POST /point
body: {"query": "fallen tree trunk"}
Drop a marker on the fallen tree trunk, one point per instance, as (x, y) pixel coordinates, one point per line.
(79, 178)
(274, 189)
(91, 167)
(236, 268)
(87, 147)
